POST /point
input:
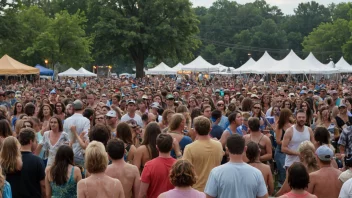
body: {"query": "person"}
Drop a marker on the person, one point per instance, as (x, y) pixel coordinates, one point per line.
(298, 179)
(204, 153)
(60, 110)
(17, 110)
(166, 119)
(324, 182)
(236, 178)
(124, 133)
(131, 114)
(224, 120)
(52, 140)
(45, 113)
(62, 177)
(128, 174)
(10, 156)
(262, 140)
(82, 126)
(147, 151)
(112, 121)
(182, 176)
(253, 154)
(235, 120)
(29, 181)
(155, 175)
(347, 174)
(294, 136)
(176, 130)
(216, 130)
(5, 187)
(98, 184)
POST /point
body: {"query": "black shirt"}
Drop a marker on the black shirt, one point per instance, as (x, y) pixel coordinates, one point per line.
(26, 182)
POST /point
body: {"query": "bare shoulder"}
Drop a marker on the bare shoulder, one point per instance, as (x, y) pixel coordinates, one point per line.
(81, 183)
(132, 167)
(76, 170)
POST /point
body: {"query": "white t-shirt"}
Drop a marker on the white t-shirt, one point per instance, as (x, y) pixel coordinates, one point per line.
(136, 118)
(235, 180)
(346, 190)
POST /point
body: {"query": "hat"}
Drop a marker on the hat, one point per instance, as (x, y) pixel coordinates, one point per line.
(333, 92)
(144, 97)
(9, 92)
(131, 101)
(310, 91)
(111, 113)
(170, 96)
(155, 105)
(217, 91)
(291, 94)
(78, 105)
(238, 93)
(103, 95)
(302, 92)
(304, 88)
(254, 96)
(53, 91)
(187, 90)
(342, 105)
(324, 153)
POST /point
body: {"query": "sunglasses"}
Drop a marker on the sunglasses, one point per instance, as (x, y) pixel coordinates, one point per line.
(100, 118)
(256, 108)
(108, 117)
(27, 126)
(220, 105)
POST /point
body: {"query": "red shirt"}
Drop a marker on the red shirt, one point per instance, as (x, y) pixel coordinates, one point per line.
(156, 174)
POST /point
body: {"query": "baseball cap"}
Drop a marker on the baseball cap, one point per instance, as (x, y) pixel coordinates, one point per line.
(111, 113)
(342, 105)
(304, 88)
(302, 92)
(324, 153)
(254, 96)
(291, 94)
(131, 101)
(170, 96)
(155, 105)
(78, 105)
(144, 97)
(53, 91)
(132, 123)
(217, 91)
(103, 95)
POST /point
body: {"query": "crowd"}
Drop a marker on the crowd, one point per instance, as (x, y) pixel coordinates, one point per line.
(176, 137)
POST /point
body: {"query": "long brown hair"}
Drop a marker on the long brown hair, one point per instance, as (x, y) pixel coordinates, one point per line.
(63, 158)
(61, 128)
(124, 133)
(41, 114)
(285, 116)
(151, 132)
(9, 154)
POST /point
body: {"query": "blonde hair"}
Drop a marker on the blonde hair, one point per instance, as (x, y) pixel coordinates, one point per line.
(18, 126)
(96, 159)
(306, 150)
(175, 121)
(10, 153)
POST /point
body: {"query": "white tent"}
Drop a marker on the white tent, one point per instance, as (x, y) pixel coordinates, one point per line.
(71, 72)
(343, 67)
(331, 64)
(260, 67)
(200, 65)
(222, 68)
(161, 69)
(291, 64)
(317, 67)
(178, 67)
(86, 72)
(244, 67)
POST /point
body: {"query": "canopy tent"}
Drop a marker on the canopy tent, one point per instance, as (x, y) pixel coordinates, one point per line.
(71, 72)
(244, 67)
(86, 72)
(222, 68)
(331, 64)
(260, 67)
(162, 69)
(9, 66)
(178, 67)
(44, 71)
(200, 65)
(320, 68)
(343, 67)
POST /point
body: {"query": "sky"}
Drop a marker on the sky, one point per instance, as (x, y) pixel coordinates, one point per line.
(286, 6)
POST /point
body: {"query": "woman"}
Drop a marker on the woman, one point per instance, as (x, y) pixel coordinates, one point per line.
(235, 120)
(166, 118)
(283, 124)
(297, 105)
(16, 111)
(100, 133)
(10, 156)
(124, 133)
(60, 110)
(298, 180)
(5, 187)
(188, 127)
(253, 154)
(5, 129)
(275, 113)
(182, 176)
(45, 113)
(62, 177)
(52, 140)
(309, 113)
(192, 103)
(266, 102)
(342, 118)
(98, 184)
(207, 100)
(176, 130)
(147, 151)
(322, 137)
(286, 104)
(324, 120)
(246, 105)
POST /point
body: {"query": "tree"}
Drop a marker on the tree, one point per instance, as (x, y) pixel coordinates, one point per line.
(142, 29)
(327, 40)
(64, 40)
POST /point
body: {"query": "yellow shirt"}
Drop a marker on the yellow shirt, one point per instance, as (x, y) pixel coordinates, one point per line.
(204, 155)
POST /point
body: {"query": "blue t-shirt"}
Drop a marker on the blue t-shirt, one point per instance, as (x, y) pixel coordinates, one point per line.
(235, 180)
(183, 143)
(224, 122)
(216, 131)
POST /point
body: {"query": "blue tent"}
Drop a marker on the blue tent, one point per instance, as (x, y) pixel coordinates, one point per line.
(44, 71)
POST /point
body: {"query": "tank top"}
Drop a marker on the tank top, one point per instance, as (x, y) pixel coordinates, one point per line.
(68, 190)
(294, 195)
(297, 139)
(177, 193)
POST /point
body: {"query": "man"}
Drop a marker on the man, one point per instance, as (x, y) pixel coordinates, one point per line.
(236, 178)
(216, 130)
(3, 101)
(131, 113)
(11, 97)
(155, 176)
(142, 106)
(127, 174)
(53, 98)
(294, 136)
(324, 182)
(204, 153)
(82, 128)
(91, 100)
(29, 182)
(322, 94)
(104, 99)
(170, 102)
(207, 111)
(154, 110)
(115, 100)
(224, 120)
(112, 120)
(345, 141)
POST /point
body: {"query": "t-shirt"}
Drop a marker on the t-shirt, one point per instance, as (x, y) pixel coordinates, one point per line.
(235, 180)
(183, 143)
(204, 155)
(346, 175)
(156, 174)
(26, 182)
(136, 118)
(216, 131)
(346, 190)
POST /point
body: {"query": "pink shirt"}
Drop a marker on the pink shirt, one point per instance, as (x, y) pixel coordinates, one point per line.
(177, 193)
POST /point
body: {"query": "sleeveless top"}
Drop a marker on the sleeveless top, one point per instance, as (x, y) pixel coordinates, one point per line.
(238, 131)
(6, 190)
(294, 195)
(177, 193)
(296, 140)
(262, 148)
(69, 189)
(282, 138)
(127, 150)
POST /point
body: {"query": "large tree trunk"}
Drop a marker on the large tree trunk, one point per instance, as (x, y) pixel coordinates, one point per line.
(138, 59)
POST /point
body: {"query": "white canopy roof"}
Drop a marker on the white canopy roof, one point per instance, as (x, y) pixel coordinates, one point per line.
(161, 69)
(319, 68)
(260, 67)
(221, 67)
(331, 64)
(71, 72)
(178, 67)
(200, 65)
(343, 66)
(244, 67)
(86, 72)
